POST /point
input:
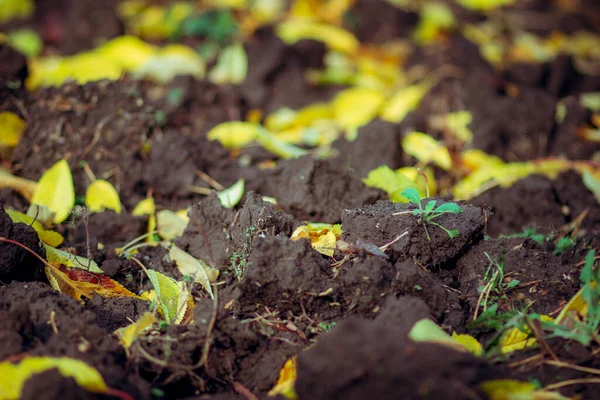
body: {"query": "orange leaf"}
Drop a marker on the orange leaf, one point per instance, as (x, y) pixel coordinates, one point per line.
(78, 283)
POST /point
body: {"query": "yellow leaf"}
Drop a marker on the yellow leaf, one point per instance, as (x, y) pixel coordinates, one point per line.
(509, 389)
(475, 159)
(278, 147)
(232, 195)
(414, 175)
(127, 52)
(456, 123)
(334, 37)
(404, 101)
(323, 237)
(576, 306)
(234, 134)
(55, 191)
(484, 5)
(24, 186)
(426, 149)
(57, 256)
(356, 107)
(102, 195)
(51, 238)
(78, 283)
(515, 339)
(11, 129)
(14, 376)
(198, 270)
(285, 382)
(147, 207)
(426, 330)
(15, 9)
(504, 175)
(391, 182)
(169, 62)
(435, 19)
(128, 334)
(231, 67)
(171, 224)
(469, 343)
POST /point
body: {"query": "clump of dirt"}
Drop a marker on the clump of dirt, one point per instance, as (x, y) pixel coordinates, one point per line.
(282, 273)
(378, 144)
(379, 21)
(540, 202)
(315, 190)
(175, 356)
(42, 322)
(378, 225)
(348, 364)
(115, 313)
(444, 301)
(104, 124)
(544, 282)
(564, 142)
(17, 263)
(215, 233)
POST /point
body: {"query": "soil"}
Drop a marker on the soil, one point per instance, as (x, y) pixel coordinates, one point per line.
(346, 317)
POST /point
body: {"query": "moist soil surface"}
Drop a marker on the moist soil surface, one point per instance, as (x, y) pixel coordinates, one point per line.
(346, 317)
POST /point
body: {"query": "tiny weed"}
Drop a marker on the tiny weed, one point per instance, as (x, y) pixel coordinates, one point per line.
(430, 212)
(239, 258)
(327, 326)
(495, 286)
(583, 330)
(563, 245)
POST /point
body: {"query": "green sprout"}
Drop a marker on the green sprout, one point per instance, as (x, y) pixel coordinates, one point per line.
(495, 285)
(430, 212)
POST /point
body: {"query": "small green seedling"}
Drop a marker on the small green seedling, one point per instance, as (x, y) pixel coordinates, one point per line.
(430, 212)
(495, 285)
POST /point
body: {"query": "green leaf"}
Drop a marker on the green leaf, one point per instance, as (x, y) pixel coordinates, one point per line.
(232, 195)
(390, 181)
(592, 182)
(412, 195)
(231, 67)
(590, 100)
(452, 208)
(278, 147)
(71, 260)
(430, 205)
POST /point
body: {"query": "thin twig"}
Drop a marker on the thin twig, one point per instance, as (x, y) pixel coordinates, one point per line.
(208, 179)
(562, 364)
(211, 325)
(244, 391)
(559, 385)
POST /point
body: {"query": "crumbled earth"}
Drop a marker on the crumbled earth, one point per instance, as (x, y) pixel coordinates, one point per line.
(346, 317)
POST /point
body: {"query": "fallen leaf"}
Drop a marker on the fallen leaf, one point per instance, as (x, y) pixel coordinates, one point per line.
(169, 62)
(510, 389)
(78, 283)
(16, 9)
(591, 101)
(356, 107)
(390, 181)
(55, 191)
(26, 41)
(322, 236)
(426, 149)
(171, 224)
(172, 296)
(592, 182)
(101, 195)
(51, 238)
(334, 37)
(147, 207)
(14, 376)
(129, 334)
(11, 129)
(65, 258)
(484, 5)
(278, 147)
(426, 330)
(436, 18)
(231, 67)
(404, 101)
(234, 134)
(232, 195)
(24, 186)
(197, 269)
(286, 381)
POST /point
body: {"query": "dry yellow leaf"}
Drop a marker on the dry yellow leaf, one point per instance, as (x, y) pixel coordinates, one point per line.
(101, 195)
(234, 134)
(11, 129)
(356, 107)
(51, 238)
(128, 334)
(147, 207)
(334, 37)
(404, 101)
(285, 382)
(14, 376)
(322, 236)
(56, 192)
(426, 149)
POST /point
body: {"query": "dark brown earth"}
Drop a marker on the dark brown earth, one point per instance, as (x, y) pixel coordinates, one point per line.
(347, 317)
